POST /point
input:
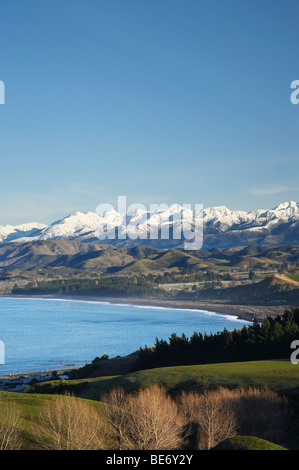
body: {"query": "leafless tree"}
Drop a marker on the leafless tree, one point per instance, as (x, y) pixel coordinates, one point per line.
(208, 416)
(68, 423)
(217, 420)
(114, 410)
(10, 436)
(189, 404)
(153, 421)
(148, 420)
(219, 414)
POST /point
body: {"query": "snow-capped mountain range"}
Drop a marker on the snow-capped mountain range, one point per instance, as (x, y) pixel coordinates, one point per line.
(222, 227)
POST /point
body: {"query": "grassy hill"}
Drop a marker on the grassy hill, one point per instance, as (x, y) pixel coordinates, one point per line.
(282, 376)
(247, 443)
(29, 406)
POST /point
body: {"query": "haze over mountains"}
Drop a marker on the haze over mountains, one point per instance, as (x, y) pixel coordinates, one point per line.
(222, 227)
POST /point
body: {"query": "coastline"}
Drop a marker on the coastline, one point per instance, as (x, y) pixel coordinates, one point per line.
(247, 312)
(15, 376)
(113, 366)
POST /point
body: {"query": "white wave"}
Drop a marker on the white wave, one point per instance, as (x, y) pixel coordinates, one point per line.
(227, 316)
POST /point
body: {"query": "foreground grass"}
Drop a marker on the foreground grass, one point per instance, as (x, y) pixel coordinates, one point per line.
(282, 376)
(247, 443)
(30, 405)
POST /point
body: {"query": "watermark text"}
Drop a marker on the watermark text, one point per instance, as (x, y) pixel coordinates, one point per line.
(295, 93)
(160, 222)
(295, 354)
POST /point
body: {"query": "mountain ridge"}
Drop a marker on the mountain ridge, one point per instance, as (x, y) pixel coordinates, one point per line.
(222, 227)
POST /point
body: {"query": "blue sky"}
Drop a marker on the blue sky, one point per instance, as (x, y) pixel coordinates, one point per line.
(168, 101)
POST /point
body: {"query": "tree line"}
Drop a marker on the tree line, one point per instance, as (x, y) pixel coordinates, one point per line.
(169, 277)
(122, 286)
(270, 339)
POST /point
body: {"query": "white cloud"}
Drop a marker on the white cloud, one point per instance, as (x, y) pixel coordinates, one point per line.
(270, 190)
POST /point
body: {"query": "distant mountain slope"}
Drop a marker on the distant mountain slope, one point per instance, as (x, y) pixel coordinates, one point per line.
(276, 288)
(93, 257)
(41, 253)
(222, 227)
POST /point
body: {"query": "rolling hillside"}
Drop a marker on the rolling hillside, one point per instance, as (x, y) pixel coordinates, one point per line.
(279, 376)
(273, 289)
(249, 274)
(282, 376)
(106, 258)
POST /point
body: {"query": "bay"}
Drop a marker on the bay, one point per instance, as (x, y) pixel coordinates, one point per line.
(45, 334)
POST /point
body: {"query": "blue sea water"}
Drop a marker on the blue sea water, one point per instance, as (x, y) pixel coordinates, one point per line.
(45, 334)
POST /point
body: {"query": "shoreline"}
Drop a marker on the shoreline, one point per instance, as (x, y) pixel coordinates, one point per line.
(246, 312)
(44, 373)
(113, 366)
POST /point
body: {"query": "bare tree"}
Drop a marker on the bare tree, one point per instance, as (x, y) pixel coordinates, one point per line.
(209, 417)
(219, 414)
(217, 420)
(68, 423)
(153, 421)
(114, 410)
(189, 406)
(10, 436)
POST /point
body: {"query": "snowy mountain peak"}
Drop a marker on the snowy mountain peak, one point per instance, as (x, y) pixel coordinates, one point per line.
(217, 221)
(286, 205)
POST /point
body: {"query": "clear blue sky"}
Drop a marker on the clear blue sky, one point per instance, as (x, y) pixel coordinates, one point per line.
(174, 101)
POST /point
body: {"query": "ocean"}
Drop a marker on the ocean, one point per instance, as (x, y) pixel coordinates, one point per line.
(47, 334)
